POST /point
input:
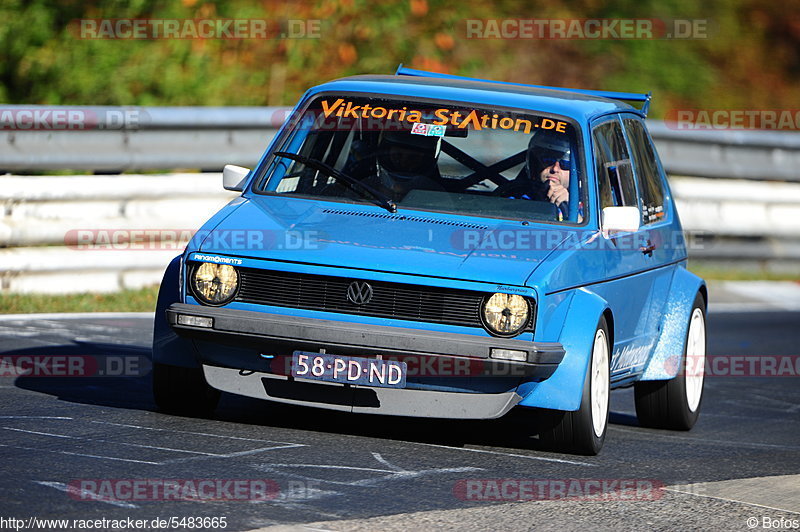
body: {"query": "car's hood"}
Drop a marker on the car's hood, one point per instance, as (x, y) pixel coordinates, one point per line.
(368, 237)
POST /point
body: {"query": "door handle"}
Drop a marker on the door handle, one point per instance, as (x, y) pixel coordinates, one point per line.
(648, 249)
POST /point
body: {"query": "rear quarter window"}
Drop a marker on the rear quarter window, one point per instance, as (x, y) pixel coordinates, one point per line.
(613, 166)
(651, 183)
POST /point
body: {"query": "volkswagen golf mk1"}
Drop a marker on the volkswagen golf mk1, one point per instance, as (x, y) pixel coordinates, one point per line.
(434, 246)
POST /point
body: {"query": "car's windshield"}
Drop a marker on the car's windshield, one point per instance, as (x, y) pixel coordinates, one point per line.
(449, 158)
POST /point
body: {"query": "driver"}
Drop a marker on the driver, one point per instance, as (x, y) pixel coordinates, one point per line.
(548, 163)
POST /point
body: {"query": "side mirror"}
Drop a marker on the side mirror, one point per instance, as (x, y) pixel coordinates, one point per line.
(621, 219)
(233, 177)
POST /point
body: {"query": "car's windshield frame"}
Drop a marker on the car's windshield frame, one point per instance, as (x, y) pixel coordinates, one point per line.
(261, 184)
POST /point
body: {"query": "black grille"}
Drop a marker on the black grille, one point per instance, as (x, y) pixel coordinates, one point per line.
(389, 300)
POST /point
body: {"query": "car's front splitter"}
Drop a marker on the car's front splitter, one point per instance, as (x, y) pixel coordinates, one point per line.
(361, 399)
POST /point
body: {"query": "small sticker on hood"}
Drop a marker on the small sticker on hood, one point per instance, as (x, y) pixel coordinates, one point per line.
(215, 259)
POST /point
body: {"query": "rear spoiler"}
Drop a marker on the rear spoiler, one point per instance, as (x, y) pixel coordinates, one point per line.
(624, 96)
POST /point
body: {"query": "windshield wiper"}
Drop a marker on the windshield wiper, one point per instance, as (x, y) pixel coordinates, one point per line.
(382, 199)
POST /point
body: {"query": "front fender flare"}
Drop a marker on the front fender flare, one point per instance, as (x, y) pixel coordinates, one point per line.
(564, 389)
(168, 347)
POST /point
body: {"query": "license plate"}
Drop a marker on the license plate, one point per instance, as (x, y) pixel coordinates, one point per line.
(349, 370)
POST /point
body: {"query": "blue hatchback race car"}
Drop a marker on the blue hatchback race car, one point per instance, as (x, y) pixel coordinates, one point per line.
(429, 245)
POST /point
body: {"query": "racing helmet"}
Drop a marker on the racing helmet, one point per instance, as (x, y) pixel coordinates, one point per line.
(545, 148)
(404, 156)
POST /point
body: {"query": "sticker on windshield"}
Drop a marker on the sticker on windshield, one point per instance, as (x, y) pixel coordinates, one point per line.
(459, 119)
(428, 130)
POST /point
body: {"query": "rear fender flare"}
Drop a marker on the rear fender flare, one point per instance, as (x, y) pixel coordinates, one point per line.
(664, 363)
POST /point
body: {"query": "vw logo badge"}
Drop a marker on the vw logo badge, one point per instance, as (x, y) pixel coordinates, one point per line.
(359, 292)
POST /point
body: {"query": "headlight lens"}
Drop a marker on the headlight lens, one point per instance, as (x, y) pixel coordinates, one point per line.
(506, 314)
(214, 284)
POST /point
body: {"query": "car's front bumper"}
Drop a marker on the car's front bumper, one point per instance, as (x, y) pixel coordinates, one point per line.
(281, 335)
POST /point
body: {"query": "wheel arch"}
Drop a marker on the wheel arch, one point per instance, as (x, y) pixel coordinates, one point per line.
(665, 361)
(704, 292)
(168, 347)
(563, 390)
(609, 316)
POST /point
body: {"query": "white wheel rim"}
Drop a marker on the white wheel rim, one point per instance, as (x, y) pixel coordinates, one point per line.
(599, 383)
(695, 359)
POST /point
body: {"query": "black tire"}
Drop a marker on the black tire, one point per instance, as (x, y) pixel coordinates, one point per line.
(575, 431)
(179, 390)
(666, 404)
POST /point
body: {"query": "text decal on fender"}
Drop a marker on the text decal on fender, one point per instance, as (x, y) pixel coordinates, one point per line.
(349, 370)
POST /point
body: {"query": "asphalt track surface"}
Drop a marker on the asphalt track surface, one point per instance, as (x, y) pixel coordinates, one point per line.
(358, 472)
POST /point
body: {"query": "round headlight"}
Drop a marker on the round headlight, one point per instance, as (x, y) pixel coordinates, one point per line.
(506, 314)
(214, 284)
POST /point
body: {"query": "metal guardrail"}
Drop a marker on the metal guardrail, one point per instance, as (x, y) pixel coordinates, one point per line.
(756, 155)
(116, 139)
(753, 221)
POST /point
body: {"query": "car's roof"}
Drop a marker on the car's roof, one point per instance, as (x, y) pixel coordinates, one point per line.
(580, 107)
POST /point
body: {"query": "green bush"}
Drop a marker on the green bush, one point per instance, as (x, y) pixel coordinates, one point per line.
(751, 45)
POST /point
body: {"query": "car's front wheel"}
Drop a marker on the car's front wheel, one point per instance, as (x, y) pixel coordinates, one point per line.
(584, 430)
(675, 404)
(179, 390)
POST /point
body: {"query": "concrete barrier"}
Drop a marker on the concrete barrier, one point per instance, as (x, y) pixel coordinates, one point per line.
(40, 232)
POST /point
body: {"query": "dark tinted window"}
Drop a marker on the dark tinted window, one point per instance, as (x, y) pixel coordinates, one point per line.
(442, 157)
(651, 185)
(613, 164)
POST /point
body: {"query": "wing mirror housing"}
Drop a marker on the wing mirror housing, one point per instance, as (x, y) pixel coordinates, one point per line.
(234, 177)
(621, 219)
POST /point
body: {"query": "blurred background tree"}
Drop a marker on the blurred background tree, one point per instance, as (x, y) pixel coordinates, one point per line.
(750, 59)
